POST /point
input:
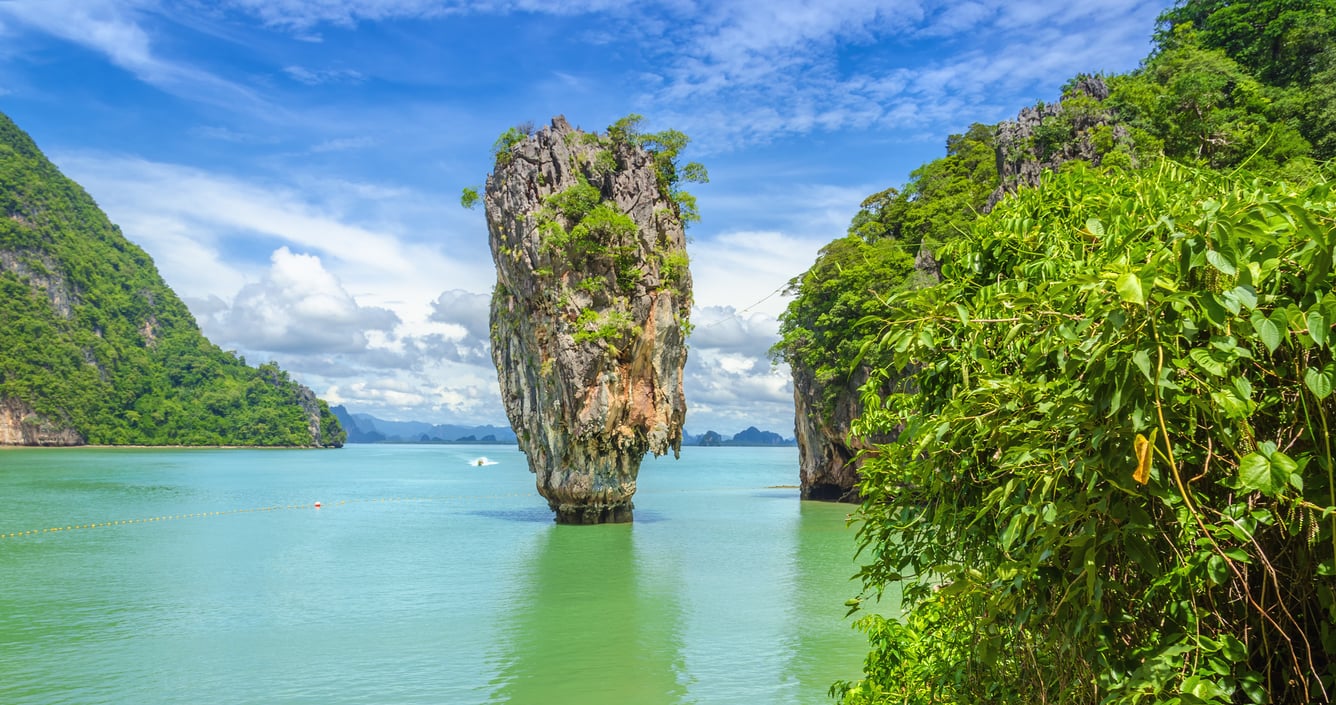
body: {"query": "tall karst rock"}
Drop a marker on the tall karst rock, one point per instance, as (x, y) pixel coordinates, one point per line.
(590, 311)
(94, 346)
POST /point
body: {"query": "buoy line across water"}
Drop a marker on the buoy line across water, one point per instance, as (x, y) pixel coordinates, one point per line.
(253, 510)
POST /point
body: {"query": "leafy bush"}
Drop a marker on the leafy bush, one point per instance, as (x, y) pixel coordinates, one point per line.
(1116, 482)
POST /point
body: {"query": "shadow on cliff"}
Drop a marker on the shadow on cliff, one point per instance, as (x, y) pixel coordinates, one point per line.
(591, 626)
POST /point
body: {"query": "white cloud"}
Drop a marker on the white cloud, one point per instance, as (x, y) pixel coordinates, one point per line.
(352, 299)
(723, 329)
(344, 144)
(302, 15)
(758, 72)
(747, 271)
(299, 307)
(191, 215)
(470, 310)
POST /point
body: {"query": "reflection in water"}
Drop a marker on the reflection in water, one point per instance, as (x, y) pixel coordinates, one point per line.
(589, 624)
(823, 636)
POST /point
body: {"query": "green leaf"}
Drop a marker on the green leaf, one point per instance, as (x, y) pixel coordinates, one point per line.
(1268, 331)
(1215, 312)
(1095, 227)
(1221, 262)
(1208, 362)
(1318, 327)
(1255, 474)
(1319, 382)
(1217, 570)
(1232, 648)
(1141, 359)
(1129, 287)
(1245, 295)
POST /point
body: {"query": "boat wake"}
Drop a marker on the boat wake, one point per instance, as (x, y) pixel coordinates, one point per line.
(481, 461)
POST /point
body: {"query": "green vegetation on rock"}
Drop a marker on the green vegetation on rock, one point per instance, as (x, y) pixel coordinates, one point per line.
(1109, 476)
(93, 339)
(583, 230)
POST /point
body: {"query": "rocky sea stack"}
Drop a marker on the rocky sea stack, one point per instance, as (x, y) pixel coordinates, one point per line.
(589, 315)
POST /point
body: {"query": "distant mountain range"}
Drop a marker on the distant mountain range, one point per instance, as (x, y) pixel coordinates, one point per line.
(751, 436)
(365, 428)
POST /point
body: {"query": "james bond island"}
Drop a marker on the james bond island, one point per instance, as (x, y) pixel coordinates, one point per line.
(590, 313)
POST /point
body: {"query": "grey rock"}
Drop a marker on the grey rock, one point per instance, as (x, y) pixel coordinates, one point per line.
(1047, 135)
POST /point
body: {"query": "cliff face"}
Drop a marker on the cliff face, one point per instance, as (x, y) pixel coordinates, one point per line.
(589, 314)
(96, 348)
(825, 460)
(21, 426)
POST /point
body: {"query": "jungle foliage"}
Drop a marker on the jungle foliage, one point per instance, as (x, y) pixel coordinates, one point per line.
(93, 339)
(826, 325)
(1114, 482)
(1112, 479)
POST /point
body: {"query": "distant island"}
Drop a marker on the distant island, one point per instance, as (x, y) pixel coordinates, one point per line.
(748, 437)
(365, 428)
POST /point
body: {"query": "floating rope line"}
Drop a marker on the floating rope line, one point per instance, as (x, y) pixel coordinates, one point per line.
(253, 510)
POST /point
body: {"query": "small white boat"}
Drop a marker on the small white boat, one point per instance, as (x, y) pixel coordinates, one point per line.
(481, 461)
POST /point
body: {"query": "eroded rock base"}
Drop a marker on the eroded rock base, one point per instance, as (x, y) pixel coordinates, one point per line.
(593, 514)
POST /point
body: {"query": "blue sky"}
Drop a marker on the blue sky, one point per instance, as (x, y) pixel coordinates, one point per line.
(294, 166)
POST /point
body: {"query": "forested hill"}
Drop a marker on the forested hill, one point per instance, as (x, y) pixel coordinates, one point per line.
(95, 348)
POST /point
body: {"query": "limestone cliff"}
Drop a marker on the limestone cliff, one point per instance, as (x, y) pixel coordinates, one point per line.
(589, 314)
(21, 426)
(826, 451)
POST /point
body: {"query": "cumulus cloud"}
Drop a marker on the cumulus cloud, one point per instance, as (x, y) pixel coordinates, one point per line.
(729, 381)
(351, 297)
(299, 307)
(468, 309)
(732, 391)
(724, 329)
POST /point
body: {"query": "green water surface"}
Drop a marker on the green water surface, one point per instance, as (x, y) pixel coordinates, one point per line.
(422, 578)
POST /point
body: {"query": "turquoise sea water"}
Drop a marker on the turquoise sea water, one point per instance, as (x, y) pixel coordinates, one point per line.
(422, 578)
